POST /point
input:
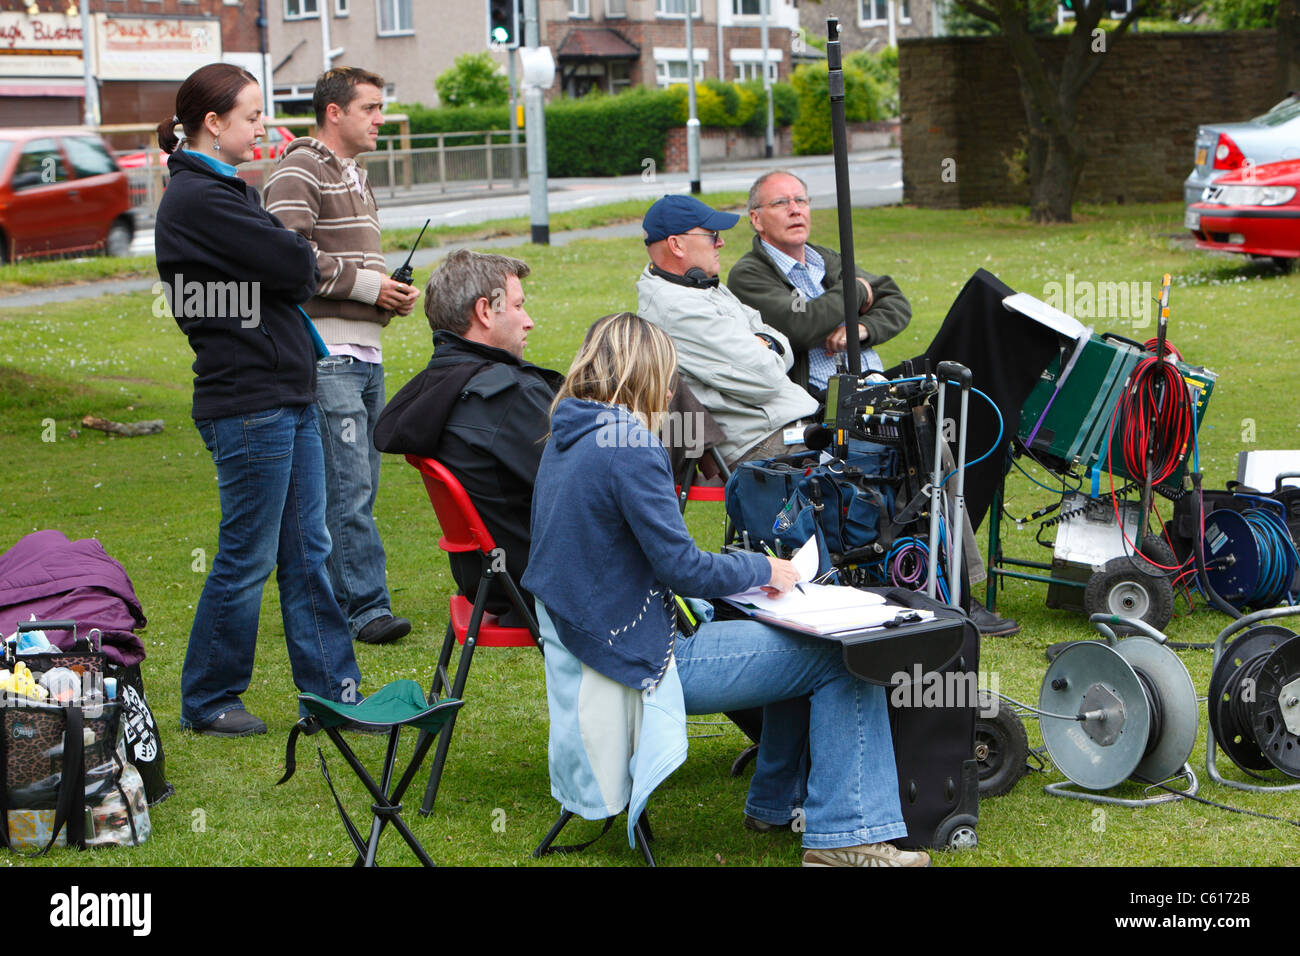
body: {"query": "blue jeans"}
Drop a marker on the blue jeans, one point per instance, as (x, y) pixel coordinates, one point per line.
(271, 480)
(832, 754)
(349, 398)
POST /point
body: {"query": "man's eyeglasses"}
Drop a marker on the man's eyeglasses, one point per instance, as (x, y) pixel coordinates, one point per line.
(799, 202)
(713, 236)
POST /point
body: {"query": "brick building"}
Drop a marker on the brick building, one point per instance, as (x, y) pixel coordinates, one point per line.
(615, 44)
(873, 24)
(610, 44)
(140, 52)
(408, 42)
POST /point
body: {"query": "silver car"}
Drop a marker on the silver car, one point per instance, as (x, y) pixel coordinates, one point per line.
(1224, 147)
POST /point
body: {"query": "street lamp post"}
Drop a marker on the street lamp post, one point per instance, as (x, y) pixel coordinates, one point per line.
(692, 121)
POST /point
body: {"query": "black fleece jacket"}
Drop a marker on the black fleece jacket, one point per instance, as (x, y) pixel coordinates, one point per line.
(240, 276)
(484, 414)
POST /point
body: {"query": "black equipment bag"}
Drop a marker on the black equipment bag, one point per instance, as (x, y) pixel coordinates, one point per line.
(848, 504)
(934, 746)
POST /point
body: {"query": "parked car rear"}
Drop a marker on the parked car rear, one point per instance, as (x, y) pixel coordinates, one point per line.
(1223, 147)
(61, 191)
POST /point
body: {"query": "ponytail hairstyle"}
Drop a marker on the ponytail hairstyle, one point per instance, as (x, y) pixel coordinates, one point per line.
(210, 89)
(624, 360)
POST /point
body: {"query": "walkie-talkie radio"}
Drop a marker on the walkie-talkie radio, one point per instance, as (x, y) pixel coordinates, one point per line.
(405, 274)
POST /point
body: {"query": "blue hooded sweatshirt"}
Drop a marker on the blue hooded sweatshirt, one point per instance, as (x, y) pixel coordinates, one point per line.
(609, 546)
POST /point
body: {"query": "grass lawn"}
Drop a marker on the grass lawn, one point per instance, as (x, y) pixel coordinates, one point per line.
(152, 502)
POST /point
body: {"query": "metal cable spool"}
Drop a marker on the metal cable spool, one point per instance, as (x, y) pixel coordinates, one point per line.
(1137, 707)
(1254, 700)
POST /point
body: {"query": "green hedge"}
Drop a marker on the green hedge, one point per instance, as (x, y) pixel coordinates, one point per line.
(602, 135)
(608, 135)
(594, 136)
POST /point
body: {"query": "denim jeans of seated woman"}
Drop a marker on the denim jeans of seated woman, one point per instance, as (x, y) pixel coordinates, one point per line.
(270, 476)
(846, 782)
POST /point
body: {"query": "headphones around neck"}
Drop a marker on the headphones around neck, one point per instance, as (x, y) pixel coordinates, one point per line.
(694, 277)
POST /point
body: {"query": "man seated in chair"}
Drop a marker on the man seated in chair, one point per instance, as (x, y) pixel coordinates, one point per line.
(798, 287)
(734, 363)
(478, 408)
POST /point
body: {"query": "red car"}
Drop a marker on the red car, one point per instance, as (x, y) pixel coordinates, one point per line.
(1254, 210)
(61, 191)
(277, 140)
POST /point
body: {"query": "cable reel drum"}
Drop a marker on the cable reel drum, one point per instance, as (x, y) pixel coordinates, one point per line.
(1254, 700)
(1118, 710)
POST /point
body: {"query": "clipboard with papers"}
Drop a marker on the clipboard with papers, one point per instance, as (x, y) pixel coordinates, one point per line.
(823, 609)
(880, 640)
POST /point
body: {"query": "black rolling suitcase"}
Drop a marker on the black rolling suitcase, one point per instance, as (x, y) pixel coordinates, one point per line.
(934, 746)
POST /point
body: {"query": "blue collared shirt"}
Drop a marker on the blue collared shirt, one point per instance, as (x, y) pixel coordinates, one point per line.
(807, 277)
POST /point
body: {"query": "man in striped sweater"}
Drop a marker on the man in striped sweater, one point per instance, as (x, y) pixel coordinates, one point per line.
(318, 190)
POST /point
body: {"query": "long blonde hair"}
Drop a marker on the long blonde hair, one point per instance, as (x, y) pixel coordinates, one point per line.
(624, 360)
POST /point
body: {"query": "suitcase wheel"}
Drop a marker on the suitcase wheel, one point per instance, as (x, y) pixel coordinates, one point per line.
(958, 834)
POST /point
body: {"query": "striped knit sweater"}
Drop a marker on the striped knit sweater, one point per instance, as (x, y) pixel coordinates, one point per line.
(312, 193)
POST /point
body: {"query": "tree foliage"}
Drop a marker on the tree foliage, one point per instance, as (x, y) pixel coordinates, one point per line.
(1244, 14)
(474, 80)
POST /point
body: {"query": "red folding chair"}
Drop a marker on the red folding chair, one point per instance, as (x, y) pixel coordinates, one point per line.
(463, 531)
(689, 490)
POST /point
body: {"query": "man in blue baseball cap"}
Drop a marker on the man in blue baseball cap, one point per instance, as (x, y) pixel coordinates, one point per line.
(734, 363)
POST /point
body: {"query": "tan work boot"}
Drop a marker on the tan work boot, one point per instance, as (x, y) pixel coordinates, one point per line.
(868, 854)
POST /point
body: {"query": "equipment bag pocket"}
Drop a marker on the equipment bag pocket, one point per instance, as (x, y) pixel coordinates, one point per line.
(847, 503)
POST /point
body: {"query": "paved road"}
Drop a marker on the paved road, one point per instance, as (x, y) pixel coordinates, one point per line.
(875, 180)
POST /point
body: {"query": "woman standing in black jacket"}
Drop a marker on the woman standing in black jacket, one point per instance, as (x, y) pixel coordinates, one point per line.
(234, 278)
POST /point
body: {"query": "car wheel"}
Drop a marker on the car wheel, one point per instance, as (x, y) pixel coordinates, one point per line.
(1284, 264)
(118, 241)
(5, 252)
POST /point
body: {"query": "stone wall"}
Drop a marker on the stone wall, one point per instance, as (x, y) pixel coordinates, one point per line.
(962, 113)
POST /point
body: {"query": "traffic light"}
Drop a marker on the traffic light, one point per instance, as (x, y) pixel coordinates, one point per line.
(503, 23)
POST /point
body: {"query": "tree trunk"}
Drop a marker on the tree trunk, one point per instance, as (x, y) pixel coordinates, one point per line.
(1060, 160)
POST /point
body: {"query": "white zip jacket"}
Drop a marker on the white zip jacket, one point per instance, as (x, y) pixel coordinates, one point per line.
(734, 374)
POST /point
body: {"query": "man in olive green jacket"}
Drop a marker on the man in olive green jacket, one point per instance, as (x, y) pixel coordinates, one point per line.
(798, 288)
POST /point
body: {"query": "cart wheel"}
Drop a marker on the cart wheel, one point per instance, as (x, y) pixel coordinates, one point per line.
(1001, 748)
(1123, 588)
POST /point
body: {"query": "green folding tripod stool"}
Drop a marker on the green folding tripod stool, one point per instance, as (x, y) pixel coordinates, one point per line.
(394, 706)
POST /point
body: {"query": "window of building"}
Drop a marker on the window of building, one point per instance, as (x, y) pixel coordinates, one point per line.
(668, 72)
(580, 8)
(297, 9)
(615, 8)
(676, 8)
(750, 71)
(620, 76)
(395, 17)
(748, 8)
(873, 12)
(341, 8)
(904, 11)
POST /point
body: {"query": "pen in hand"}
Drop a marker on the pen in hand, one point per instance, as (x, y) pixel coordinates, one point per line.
(773, 554)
